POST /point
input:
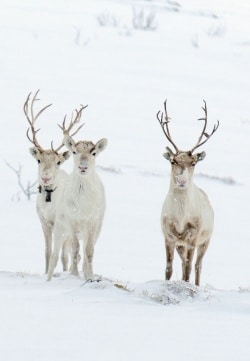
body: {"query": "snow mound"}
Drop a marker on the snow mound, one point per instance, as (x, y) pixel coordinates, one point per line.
(162, 292)
(166, 292)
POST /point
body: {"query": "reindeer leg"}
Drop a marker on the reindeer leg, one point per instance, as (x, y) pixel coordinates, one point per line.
(65, 256)
(170, 258)
(75, 257)
(201, 250)
(189, 259)
(87, 261)
(58, 239)
(182, 251)
(47, 231)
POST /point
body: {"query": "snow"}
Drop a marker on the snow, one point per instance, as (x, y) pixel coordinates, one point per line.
(201, 50)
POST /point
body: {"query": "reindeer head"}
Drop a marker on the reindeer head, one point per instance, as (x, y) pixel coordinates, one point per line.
(183, 162)
(49, 160)
(84, 153)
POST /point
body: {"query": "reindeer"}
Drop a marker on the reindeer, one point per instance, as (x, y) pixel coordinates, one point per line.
(187, 217)
(83, 206)
(52, 179)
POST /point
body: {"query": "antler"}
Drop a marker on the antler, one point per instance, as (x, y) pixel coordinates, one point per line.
(204, 133)
(32, 117)
(75, 119)
(164, 125)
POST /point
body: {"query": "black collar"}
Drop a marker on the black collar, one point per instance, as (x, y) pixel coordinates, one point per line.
(47, 193)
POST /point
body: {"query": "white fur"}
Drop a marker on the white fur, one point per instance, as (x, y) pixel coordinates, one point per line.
(82, 207)
(50, 177)
(187, 216)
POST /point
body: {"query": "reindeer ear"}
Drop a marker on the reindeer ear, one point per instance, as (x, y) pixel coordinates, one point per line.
(63, 156)
(66, 155)
(169, 155)
(100, 146)
(35, 152)
(68, 141)
(201, 156)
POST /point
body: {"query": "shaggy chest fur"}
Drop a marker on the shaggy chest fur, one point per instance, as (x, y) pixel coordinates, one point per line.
(46, 211)
(185, 233)
(182, 216)
(85, 201)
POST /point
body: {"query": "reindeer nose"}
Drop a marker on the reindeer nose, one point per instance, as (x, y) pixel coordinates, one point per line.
(83, 163)
(83, 166)
(46, 180)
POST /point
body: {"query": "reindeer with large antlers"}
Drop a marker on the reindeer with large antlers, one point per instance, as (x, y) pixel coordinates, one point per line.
(187, 217)
(52, 179)
(81, 214)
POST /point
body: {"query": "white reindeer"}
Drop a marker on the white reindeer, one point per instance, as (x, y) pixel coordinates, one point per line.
(51, 178)
(83, 205)
(187, 217)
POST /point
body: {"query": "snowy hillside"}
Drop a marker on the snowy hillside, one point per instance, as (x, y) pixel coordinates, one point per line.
(101, 53)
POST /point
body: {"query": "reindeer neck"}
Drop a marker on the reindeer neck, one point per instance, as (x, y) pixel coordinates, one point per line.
(46, 192)
(82, 183)
(181, 194)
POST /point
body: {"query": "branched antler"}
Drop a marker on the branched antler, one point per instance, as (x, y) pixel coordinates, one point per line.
(75, 119)
(164, 124)
(204, 133)
(29, 112)
(28, 109)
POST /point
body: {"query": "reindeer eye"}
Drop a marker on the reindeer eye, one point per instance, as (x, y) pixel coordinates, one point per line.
(58, 163)
(74, 152)
(38, 161)
(193, 164)
(93, 154)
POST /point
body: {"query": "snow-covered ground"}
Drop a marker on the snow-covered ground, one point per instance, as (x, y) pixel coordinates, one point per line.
(88, 52)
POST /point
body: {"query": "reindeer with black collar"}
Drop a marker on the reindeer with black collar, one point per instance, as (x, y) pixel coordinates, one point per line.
(51, 178)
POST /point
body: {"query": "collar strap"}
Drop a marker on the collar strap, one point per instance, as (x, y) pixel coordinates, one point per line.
(47, 192)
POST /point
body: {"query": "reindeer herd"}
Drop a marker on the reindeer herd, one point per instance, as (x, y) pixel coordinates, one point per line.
(71, 207)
